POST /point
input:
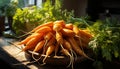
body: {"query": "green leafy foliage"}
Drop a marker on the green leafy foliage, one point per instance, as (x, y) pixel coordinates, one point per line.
(35, 16)
(11, 7)
(25, 19)
(3, 4)
(106, 40)
(30, 17)
(105, 43)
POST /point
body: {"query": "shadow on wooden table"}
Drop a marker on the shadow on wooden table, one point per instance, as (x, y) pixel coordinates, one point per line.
(7, 61)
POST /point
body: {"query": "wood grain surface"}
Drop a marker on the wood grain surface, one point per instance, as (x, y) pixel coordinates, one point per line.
(17, 60)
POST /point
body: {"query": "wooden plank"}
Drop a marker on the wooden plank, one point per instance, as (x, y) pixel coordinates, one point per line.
(10, 60)
(10, 54)
(17, 60)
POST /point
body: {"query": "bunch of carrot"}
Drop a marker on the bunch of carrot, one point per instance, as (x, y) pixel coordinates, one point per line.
(58, 38)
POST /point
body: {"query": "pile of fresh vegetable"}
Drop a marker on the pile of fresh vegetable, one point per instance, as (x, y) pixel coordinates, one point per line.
(56, 32)
(57, 38)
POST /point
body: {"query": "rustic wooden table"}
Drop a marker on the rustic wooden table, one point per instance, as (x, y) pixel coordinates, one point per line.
(10, 54)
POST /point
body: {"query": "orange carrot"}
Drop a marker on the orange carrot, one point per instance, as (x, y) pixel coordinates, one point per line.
(81, 43)
(76, 30)
(67, 45)
(24, 41)
(56, 48)
(76, 48)
(83, 39)
(59, 38)
(86, 34)
(39, 46)
(81, 35)
(67, 53)
(61, 22)
(50, 42)
(58, 25)
(49, 24)
(73, 44)
(69, 26)
(30, 44)
(44, 29)
(48, 36)
(33, 42)
(49, 51)
(67, 32)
